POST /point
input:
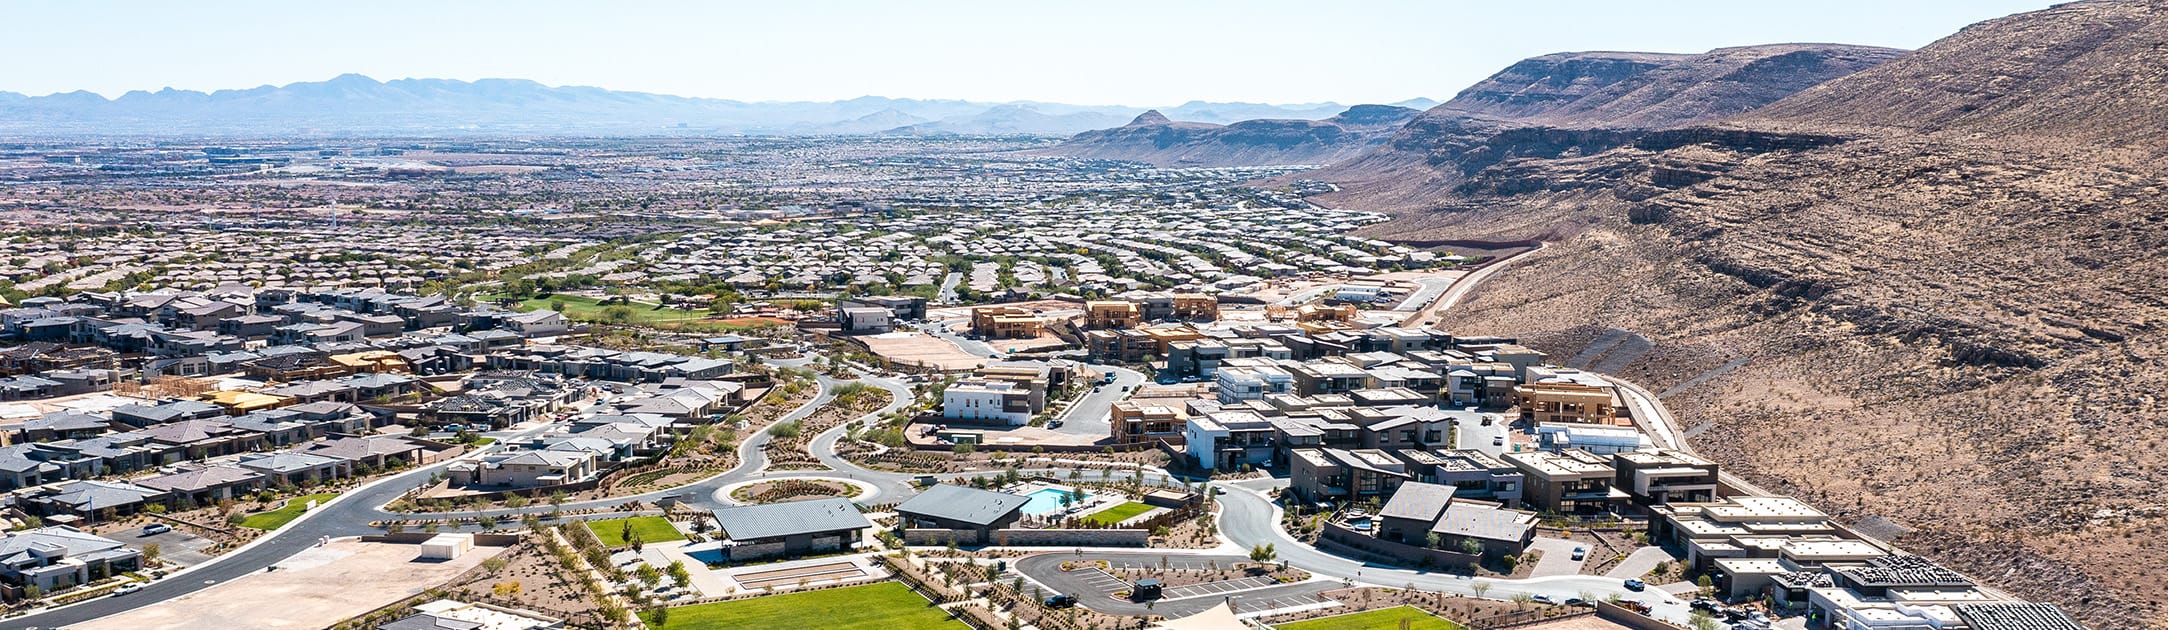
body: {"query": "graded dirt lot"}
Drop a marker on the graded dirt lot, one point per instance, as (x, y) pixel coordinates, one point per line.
(313, 589)
(916, 348)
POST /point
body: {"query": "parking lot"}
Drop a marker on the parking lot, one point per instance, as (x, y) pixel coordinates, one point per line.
(1172, 562)
(1216, 588)
(175, 547)
(1101, 582)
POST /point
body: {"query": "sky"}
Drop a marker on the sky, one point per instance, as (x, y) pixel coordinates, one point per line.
(1097, 52)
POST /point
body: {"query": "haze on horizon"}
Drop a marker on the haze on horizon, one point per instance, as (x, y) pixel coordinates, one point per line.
(1121, 52)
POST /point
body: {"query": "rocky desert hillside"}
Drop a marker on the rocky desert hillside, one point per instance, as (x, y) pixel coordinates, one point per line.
(1155, 139)
(1930, 296)
(1577, 104)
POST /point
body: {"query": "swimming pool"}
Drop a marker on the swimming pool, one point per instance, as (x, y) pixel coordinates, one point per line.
(1045, 500)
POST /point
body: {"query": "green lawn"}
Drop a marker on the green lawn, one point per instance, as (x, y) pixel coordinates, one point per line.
(1387, 619)
(1117, 514)
(292, 510)
(649, 528)
(589, 309)
(882, 606)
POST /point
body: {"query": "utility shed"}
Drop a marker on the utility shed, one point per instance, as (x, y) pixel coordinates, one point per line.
(447, 546)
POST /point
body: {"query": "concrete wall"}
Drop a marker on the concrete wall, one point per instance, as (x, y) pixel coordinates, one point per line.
(1621, 616)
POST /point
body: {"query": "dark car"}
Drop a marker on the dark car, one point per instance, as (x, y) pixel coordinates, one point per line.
(1060, 601)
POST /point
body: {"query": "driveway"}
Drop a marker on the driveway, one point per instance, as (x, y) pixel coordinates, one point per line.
(1557, 557)
(1639, 563)
(1092, 413)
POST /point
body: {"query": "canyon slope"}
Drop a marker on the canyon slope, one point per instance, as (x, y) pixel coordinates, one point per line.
(1153, 138)
(1929, 296)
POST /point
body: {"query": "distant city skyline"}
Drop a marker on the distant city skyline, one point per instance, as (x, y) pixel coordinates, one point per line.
(1122, 52)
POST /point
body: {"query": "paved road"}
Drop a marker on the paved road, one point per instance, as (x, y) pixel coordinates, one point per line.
(1462, 287)
(948, 288)
(942, 330)
(1429, 290)
(1557, 557)
(1091, 414)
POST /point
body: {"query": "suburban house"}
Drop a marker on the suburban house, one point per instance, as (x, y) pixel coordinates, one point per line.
(526, 469)
(57, 557)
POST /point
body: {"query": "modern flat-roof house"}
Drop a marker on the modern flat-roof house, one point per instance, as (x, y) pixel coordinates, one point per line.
(1228, 439)
(1472, 473)
(1569, 482)
(866, 320)
(52, 558)
(1111, 314)
(1133, 422)
(1331, 474)
(987, 400)
(1664, 476)
(1006, 322)
(963, 508)
(793, 528)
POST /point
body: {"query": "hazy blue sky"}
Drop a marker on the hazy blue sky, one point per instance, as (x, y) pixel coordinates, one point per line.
(1097, 52)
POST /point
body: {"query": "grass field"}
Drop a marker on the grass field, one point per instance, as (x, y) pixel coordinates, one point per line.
(589, 309)
(882, 606)
(649, 528)
(1387, 619)
(1118, 513)
(292, 510)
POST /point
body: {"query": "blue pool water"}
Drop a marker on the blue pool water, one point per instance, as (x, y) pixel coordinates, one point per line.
(1045, 500)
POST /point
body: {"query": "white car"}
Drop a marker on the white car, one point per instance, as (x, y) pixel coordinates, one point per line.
(128, 588)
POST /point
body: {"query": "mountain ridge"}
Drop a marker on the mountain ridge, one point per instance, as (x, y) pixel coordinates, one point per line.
(1927, 293)
(355, 103)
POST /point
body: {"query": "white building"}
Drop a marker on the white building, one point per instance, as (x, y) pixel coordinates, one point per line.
(1598, 439)
(1237, 384)
(987, 400)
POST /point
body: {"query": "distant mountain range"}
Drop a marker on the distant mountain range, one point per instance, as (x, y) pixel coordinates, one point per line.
(356, 104)
(1154, 138)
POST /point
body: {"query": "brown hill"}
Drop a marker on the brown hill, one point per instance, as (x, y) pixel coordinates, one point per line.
(1571, 104)
(1938, 287)
(1155, 139)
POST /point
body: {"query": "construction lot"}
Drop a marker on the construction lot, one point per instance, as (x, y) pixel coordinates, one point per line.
(921, 349)
(313, 589)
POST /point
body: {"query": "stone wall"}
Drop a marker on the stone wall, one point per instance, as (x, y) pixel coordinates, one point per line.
(1033, 537)
(1402, 554)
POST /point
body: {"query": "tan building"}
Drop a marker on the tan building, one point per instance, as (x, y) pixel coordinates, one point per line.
(1568, 402)
(1135, 422)
(1112, 314)
(1007, 322)
(1196, 307)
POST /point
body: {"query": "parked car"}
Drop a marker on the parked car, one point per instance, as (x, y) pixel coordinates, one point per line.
(1498, 441)
(1054, 424)
(156, 528)
(1576, 601)
(1636, 585)
(1060, 601)
(1580, 552)
(127, 589)
(1542, 599)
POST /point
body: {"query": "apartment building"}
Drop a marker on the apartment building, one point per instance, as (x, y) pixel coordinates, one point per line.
(1112, 315)
(1007, 322)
